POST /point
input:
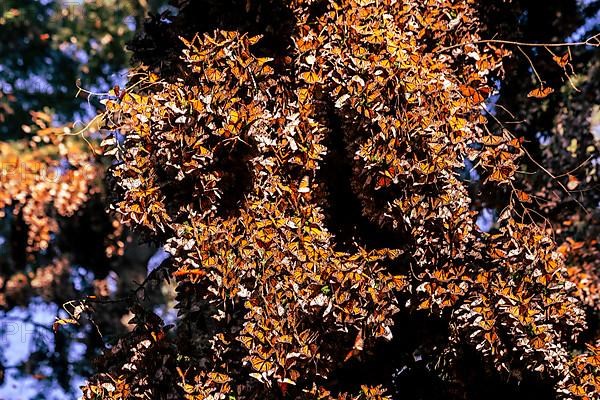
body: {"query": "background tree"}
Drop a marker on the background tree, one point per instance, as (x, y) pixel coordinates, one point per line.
(57, 243)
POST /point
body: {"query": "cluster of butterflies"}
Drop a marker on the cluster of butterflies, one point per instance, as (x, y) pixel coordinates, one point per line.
(50, 176)
(223, 165)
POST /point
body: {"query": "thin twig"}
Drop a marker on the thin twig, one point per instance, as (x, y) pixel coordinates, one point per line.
(592, 41)
(532, 66)
(557, 181)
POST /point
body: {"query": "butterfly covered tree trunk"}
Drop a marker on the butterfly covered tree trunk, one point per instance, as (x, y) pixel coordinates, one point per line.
(301, 161)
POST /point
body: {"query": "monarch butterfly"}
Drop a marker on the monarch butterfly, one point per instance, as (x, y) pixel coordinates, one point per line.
(572, 183)
(577, 390)
(502, 173)
(372, 391)
(304, 185)
(218, 377)
(260, 364)
(538, 342)
(522, 196)
(234, 116)
(383, 181)
(458, 123)
(471, 93)
(310, 77)
(491, 337)
(305, 45)
(194, 275)
(561, 61)
(302, 95)
(426, 168)
(544, 279)
(425, 304)
(492, 140)
(357, 348)
(540, 93)
(213, 74)
(265, 236)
